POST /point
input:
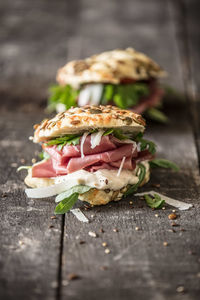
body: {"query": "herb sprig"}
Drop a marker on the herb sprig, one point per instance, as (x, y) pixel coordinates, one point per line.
(141, 174)
(154, 202)
(146, 144)
(164, 163)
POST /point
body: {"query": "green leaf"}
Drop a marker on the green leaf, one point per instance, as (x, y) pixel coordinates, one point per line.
(164, 163)
(146, 144)
(62, 141)
(155, 202)
(118, 134)
(62, 94)
(80, 189)
(124, 95)
(44, 155)
(157, 115)
(108, 131)
(141, 174)
(66, 204)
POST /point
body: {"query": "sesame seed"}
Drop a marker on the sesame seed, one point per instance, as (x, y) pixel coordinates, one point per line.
(156, 215)
(131, 202)
(137, 228)
(180, 289)
(115, 230)
(165, 244)
(104, 244)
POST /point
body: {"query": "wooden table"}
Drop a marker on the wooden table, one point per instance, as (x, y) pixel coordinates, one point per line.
(40, 254)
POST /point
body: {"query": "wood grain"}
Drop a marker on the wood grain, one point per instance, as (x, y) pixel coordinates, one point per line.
(37, 260)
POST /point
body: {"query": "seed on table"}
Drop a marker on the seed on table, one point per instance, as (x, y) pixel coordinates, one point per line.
(180, 289)
(172, 216)
(73, 276)
(92, 234)
(53, 217)
(137, 228)
(165, 244)
(115, 230)
(107, 251)
(156, 215)
(104, 244)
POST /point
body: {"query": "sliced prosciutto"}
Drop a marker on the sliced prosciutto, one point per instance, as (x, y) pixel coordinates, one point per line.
(107, 155)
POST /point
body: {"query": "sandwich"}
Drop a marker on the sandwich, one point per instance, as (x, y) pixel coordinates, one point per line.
(94, 154)
(125, 78)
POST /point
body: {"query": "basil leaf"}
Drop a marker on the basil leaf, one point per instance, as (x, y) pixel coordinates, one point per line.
(80, 189)
(157, 115)
(62, 94)
(155, 202)
(164, 163)
(66, 204)
(141, 174)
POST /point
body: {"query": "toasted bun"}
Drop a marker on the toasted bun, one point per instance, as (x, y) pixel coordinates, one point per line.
(109, 67)
(76, 120)
(93, 196)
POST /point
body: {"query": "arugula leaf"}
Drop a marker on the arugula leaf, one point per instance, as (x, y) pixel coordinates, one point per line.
(124, 95)
(80, 189)
(66, 204)
(164, 163)
(62, 141)
(155, 202)
(141, 174)
(146, 144)
(62, 94)
(44, 155)
(118, 134)
(157, 115)
(108, 131)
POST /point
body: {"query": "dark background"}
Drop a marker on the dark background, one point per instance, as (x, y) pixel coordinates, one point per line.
(38, 253)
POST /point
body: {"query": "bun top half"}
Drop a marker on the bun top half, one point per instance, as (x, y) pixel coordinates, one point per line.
(81, 119)
(109, 67)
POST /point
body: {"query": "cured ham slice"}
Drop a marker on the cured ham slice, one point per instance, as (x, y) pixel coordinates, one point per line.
(107, 155)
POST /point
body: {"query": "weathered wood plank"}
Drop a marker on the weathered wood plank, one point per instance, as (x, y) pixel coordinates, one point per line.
(30, 239)
(186, 19)
(139, 265)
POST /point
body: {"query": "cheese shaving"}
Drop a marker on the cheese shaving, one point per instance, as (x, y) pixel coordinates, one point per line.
(96, 138)
(121, 166)
(173, 202)
(82, 143)
(79, 215)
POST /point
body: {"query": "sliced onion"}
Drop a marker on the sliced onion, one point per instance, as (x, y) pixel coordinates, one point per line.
(173, 202)
(90, 94)
(84, 96)
(79, 215)
(96, 138)
(121, 166)
(49, 191)
(82, 143)
(96, 93)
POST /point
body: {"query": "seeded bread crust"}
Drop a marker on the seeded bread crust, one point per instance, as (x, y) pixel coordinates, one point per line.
(109, 67)
(77, 120)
